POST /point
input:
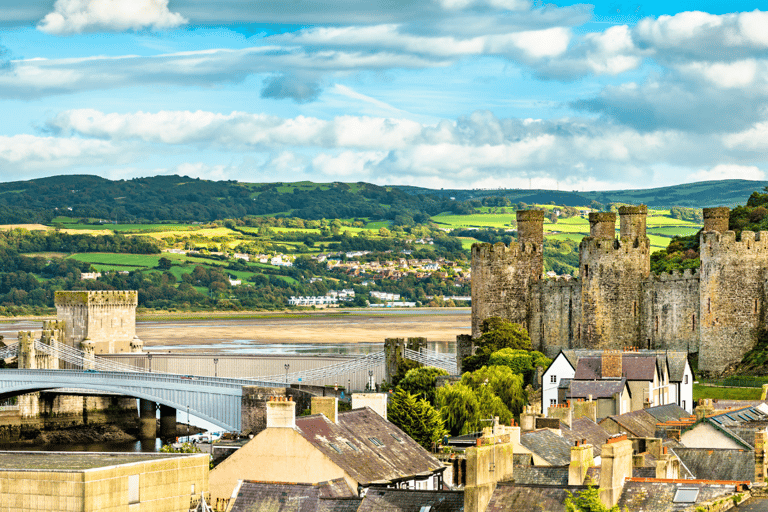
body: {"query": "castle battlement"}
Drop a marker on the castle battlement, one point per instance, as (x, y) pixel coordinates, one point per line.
(726, 242)
(560, 282)
(607, 245)
(676, 275)
(95, 298)
(499, 250)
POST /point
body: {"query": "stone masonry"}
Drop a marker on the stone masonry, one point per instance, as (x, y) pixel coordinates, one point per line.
(616, 302)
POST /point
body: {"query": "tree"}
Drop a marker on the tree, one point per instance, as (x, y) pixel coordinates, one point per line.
(417, 418)
(521, 362)
(164, 263)
(421, 382)
(503, 383)
(497, 334)
(587, 501)
(459, 408)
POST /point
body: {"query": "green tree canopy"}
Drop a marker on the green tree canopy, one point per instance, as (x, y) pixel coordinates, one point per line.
(502, 382)
(416, 417)
(587, 501)
(421, 382)
(497, 334)
(520, 361)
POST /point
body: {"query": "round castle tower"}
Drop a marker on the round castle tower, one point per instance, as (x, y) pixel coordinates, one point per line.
(716, 219)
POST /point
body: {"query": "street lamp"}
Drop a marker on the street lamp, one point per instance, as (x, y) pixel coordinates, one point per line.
(149, 357)
(215, 366)
(286, 372)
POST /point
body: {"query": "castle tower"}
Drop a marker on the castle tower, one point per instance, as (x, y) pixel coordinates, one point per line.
(611, 273)
(501, 275)
(716, 219)
(107, 318)
(732, 291)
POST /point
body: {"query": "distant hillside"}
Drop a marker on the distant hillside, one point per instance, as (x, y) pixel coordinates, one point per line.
(692, 195)
(183, 199)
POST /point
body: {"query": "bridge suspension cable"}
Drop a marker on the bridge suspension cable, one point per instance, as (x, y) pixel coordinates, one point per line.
(325, 373)
(429, 358)
(77, 358)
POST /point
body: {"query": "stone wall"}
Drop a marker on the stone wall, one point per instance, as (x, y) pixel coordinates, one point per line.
(556, 319)
(670, 311)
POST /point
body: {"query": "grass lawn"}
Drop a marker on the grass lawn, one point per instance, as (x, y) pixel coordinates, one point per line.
(118, 260)
(700, 391)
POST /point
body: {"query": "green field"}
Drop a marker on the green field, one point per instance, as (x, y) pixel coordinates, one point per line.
(700, 391)
(101, 260)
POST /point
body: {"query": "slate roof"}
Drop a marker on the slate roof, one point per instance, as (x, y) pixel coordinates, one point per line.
(530, 498)
(634, 366)
(551, 447)
(658, 496)
(585, 428)
(675, 360)
(409, 500)
(543, 475)
(753, 505)
(741, 424)
(642, 423)
(718, 464)
(368, 447)
(522, 459)
(597, 388)
(332, 496)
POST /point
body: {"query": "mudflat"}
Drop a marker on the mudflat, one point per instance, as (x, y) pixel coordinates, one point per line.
(362, 326)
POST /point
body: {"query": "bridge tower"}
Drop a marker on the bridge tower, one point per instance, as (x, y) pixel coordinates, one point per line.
(106, 318)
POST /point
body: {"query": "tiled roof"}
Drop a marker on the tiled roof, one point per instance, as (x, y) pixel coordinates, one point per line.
(332, 496)
(642, 423)
(551, 447)
(368, 447)
(676, 363)
(753, 504)
(511, 496)
(408, 500)
(675, 360)
(633, 366)
(718, 464)
(668, 412)
(585, 428)
(543, 475)
(596, 388)
(659, 496)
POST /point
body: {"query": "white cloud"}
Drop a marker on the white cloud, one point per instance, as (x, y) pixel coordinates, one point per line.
(25, 153)
(728, 172)
(78, 16)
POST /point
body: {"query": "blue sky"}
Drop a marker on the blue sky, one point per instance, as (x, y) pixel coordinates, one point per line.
(433, 93)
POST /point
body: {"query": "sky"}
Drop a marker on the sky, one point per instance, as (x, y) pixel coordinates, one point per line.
(431, 93)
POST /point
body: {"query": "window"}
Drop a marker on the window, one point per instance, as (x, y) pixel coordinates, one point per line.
(338, 450)
(133, 489)
(693, 322)
(686, 495)
(552, 401)
(553, 378)
(586, 271)
(376, 441)
(685, 379)
(683, 404)
(396, 438)
(352, 446)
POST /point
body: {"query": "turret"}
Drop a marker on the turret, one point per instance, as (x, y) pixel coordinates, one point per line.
(716, 219)
(632, 221)
(530, 232)
(602, 225)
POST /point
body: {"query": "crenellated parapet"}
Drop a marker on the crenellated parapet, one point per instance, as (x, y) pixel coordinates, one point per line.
(714, 243)
(93, 298)
(676, 275)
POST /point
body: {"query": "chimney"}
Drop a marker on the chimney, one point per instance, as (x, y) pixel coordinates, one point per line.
(376, 401)
(704, 409)
(761, 464)
(716, 219)
(281, 412)
(327, 405)
(581, 460)
(616, 467)
(487, 464)
(528, 419)
(611, 363)
(560, 411)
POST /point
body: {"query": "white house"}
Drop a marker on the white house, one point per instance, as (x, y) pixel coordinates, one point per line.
(561, 368)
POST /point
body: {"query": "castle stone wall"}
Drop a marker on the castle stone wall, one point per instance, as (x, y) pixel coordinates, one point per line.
(670, 311)
(556, 319)
(108, 318)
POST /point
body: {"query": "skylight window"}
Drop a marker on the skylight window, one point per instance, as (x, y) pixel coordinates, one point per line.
(352, 446)
(686, 495)
(335, 447)
(716, 420)
(376, 441)
(396, 438)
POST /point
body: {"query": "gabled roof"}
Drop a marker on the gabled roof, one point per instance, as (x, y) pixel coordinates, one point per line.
(597, 388)
(675, 360)
(642, 423)
(512, 496)
(718, 464)
(659, 496)
(565, 357)
(368, 447)
(633, 367)
(551, 447)
(379, 499)
(740, 424)
(585, 428)
(331, 496)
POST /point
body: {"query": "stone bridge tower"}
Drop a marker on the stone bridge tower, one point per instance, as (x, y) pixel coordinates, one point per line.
(105, 318)
(502, 276)
(611, 272)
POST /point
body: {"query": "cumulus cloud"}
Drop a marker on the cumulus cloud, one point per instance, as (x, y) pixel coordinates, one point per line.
(78, 16)
(728, 172)
(26, 153)
(291, 87)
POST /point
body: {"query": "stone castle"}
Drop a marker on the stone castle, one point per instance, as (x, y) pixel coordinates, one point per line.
(716, 311)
